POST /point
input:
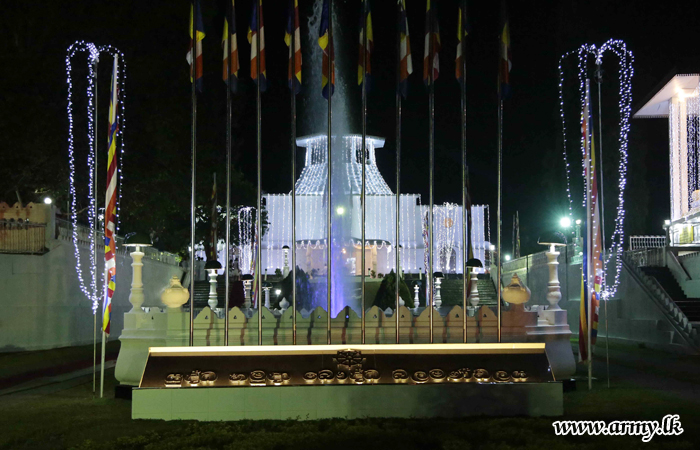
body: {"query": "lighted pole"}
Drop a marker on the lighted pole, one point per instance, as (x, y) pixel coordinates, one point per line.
(193, 76)
(331, 55)
(363, 194)
(465, 205)
(293, 145)
(258, 219)
(431, 163)
(398, 166)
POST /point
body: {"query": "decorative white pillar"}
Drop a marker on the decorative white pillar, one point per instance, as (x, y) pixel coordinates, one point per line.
(553, 289)
(136, 296)
(474, 293)
(213, 300)
(285, 269)
(267, 296)
(438, 297)
(416, 300)
(246, 287)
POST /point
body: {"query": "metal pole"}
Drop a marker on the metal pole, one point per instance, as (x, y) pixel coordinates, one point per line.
(363, 194)
(589, 235)
(228, 185)
(431, 171)
(102, 366)
(258, 221)
(601, 198)
(94, 235)
(498, 214)
(294, 175)
(464, 175)
(331, 55)
(398, 170)
(193, 75)
(94, 353)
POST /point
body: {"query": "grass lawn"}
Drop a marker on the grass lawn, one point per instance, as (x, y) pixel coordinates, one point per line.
(72, 418)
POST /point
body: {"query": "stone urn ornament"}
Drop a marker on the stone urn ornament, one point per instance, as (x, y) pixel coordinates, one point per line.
(516, 293)
(174, 296)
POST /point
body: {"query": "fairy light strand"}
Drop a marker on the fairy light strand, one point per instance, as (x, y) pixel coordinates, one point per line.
(625, 74)
(89, 289)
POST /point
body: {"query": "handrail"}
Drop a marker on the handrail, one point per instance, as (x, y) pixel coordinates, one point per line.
(638, 275)
(675, 259)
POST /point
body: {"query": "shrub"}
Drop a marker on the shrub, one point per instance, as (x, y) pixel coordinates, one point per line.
(386, 295)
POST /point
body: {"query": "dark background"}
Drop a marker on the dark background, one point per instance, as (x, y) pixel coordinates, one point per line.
(154, 37)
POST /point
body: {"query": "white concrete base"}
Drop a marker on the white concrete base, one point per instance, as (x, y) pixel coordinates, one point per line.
(171, 329)
(349, 401)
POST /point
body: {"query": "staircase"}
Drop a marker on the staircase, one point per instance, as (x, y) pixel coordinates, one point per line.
(656, 280)
(487, 290)
(689, 306)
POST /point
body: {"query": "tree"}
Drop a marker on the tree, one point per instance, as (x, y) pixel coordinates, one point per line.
(386, 295)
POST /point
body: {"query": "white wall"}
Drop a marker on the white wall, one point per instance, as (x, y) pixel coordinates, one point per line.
(43, 306)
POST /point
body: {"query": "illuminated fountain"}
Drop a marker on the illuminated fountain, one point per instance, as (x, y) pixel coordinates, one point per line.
(346, 226)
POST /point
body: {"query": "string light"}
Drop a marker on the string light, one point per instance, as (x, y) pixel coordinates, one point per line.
(93, 53)
(625, 74)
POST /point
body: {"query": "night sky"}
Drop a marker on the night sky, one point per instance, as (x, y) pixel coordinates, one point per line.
(154, 37)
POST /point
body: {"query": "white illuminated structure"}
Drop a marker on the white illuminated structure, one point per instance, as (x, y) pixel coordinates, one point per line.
(380, 221)
(677, 100)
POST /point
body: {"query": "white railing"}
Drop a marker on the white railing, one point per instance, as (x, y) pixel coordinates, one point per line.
(22, 237)
(642, 242)
(65, 232)
(646, 257)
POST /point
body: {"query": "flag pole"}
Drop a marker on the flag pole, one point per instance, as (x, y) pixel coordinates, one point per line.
(331, 56)
(363, 194)
(227, 282)
(589, 236)
(398, 168)
(431, 166)
(498, 212)
(601, 197)
(193, 75)
(293, 145)
(94, 238)
(463, 93)
(258, 220)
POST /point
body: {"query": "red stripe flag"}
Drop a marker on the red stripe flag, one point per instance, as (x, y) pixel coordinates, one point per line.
(111, 203)
(405, 50)
(325, 41)
(462, 33)
(294, 79)
(229, 43)
(196, 17)
(431, 58)
(253, 41)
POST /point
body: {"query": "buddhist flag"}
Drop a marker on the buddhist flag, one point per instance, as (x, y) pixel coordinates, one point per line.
(462, 33)
(406, 63)
(229, 43)
(293, 79)
(505, 62)
(196, 17)
(431, 58)
(365, 23)
(253, 41)
(325, 41)
(592, 254)
(111, 203)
